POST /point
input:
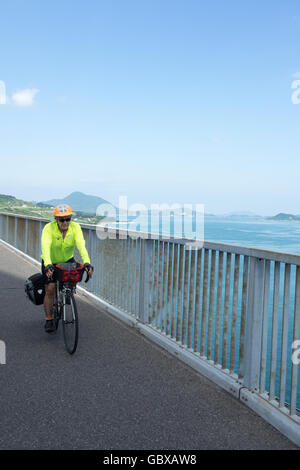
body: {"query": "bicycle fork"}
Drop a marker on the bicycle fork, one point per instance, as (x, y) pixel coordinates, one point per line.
(65, 299)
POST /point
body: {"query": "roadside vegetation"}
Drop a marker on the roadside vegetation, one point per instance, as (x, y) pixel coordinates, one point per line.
(12, 205)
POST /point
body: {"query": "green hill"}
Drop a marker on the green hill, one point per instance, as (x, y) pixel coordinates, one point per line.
(79, 202)
(18, 206)
(13, 205)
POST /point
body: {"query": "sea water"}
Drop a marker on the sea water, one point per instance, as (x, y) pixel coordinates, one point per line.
(245, 231)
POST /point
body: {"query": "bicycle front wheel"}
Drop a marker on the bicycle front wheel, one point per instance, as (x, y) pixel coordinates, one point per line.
(70, 323)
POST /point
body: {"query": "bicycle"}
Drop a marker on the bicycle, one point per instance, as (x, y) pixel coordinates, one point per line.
(67, 275)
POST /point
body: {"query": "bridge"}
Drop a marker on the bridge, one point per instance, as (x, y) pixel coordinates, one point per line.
(172, 352)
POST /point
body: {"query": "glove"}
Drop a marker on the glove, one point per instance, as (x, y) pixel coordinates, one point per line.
(49, 270)
(49, 267)
(88, 266)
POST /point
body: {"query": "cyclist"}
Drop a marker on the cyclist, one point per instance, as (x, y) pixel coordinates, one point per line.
(58, 242)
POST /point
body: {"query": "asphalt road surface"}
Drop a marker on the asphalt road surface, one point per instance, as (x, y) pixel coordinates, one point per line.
(119, 390)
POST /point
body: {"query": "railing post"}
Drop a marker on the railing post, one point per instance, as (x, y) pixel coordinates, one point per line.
(26, 235)
(16, 229)
(7, 223)
(92, 237)
(40, 240)
(253, 337)
(145, 280)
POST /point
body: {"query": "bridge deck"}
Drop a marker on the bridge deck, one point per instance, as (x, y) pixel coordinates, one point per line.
(119, 391)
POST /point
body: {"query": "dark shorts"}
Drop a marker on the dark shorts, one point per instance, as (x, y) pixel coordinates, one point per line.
(48, 281)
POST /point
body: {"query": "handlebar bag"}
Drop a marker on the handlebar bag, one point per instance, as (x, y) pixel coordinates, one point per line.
(69, 272)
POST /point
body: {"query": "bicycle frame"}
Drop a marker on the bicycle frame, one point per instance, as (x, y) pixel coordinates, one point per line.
(63, 292)
(65, 309)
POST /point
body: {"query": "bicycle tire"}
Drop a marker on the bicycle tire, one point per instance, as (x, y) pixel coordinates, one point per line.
(70, 324)
(56, 312)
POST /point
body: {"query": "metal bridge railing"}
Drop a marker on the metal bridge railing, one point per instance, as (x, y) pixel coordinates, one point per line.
(236, 308)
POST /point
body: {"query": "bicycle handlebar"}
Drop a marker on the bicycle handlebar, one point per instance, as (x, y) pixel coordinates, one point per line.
(86, 279)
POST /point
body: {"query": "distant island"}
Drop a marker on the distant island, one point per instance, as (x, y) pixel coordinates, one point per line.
(244, 215)
(283, 216)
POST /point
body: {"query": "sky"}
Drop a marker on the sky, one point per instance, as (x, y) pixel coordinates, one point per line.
(162, 101)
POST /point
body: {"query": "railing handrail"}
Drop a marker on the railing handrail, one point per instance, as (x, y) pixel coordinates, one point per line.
(272, 255)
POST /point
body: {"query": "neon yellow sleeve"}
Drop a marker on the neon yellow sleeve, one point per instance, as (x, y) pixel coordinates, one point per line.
(46, 244)
(80, 243)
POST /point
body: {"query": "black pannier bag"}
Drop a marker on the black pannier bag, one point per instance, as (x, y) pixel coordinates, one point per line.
(35, 288)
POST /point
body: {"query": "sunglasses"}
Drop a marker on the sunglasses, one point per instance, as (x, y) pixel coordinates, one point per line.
(65, 219)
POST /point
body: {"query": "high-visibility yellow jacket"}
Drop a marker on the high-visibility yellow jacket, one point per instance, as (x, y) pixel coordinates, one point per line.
(56, 249)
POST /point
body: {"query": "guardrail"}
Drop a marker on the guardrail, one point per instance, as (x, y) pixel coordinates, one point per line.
(233, 310)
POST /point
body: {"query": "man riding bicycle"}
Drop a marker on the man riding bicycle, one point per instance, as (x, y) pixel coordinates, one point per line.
(58, 243)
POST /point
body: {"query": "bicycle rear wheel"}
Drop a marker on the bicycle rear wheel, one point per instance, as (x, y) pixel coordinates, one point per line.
(70, 323)
(56, 310)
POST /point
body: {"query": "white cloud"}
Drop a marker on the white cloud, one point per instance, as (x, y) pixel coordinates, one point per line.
(2, 92)
(296, 75)
(24, 97)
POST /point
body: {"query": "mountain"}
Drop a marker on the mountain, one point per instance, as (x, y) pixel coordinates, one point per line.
(79, 202)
